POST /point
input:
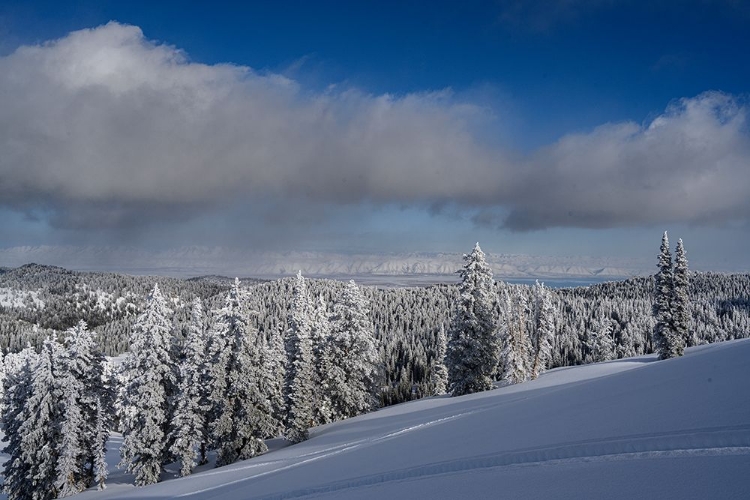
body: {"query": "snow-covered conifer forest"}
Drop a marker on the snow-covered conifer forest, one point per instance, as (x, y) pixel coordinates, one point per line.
(215, 365)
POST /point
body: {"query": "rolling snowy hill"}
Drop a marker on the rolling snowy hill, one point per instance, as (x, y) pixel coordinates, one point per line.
(632, 428)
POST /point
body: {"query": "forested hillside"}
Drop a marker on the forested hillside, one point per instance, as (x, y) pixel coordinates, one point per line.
(604, 321)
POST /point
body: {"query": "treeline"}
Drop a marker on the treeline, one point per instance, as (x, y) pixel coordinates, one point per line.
(55, 299)
(407, 321)
(719, 310)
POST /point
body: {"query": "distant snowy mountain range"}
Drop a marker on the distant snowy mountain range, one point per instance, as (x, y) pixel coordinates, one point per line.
(194, 261)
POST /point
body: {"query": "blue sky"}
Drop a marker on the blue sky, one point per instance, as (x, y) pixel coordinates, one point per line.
(575, 127)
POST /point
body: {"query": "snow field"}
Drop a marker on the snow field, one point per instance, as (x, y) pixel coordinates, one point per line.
(626, 429)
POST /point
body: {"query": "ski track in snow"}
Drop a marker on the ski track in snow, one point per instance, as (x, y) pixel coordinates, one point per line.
(499, 462)
(712, 441)
(317, 455)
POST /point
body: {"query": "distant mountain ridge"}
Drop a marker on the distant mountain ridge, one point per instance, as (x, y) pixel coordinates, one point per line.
(196, 261)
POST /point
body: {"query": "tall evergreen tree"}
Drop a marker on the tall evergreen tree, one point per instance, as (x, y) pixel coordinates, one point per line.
(241, 414)
(217, 341)
(2, 380)
(320, 333)
(101, 433)
(150, 379)
(20, 369)
(601, 341)
(85, 366)
(439, 372)
(299, 389)
(354, 368)
(666, 343)
(516, 349)
(544, 329)
(40, 429)
(273, 378)
(681, 298)
(472, 355)
(69, 467)
(189, 422)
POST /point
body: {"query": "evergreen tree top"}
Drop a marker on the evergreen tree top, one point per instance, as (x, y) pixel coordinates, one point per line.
(476, 273)
(665, 256)
(680, 253)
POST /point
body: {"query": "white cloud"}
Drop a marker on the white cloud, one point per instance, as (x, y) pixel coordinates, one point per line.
(689, 164)
(106, 116)
(104, 128)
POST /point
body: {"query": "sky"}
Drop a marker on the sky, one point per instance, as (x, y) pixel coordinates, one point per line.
(560, 128)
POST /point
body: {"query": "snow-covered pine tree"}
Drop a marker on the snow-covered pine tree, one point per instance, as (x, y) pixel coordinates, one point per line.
(544, 329)
(600, 342)
(40, 429)
(300, 370)
(354, 369)
(101, 433)
(273, 378)
(17, 390)
(2, 380)
(681, 300)
(515, 353)
(626, 348)
(70, 468)
(215, 370)
(662, 300)
(472, 355)
(150, 379)
(85, 364)
(241, 413)
(439, 372)
(320, 332)
(666, 343)
(188, 434)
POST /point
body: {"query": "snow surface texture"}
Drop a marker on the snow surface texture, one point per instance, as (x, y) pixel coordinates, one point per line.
(631, 428)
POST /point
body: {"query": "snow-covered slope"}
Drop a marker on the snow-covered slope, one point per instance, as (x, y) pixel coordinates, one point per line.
(625, 429)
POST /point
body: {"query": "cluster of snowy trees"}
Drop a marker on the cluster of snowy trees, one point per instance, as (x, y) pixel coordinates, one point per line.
(496, 336)
(406, 323)
(333, 366)
(671, 302)
(225, 387)
(229, 387)
(55, 417)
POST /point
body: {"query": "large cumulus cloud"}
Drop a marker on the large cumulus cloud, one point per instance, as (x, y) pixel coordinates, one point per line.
(690, 164)
(104, 128)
